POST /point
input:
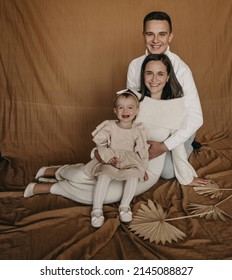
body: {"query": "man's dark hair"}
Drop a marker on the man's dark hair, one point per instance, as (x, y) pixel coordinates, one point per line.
(156, 15)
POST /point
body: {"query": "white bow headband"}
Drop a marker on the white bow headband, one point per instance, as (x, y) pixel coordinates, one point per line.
(132, 92)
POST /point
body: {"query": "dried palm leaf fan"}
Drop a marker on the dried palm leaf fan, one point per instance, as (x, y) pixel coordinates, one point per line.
(211, 189)
(149, 222)
(209, 211)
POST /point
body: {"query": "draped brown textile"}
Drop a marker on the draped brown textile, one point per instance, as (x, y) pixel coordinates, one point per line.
(60, 64)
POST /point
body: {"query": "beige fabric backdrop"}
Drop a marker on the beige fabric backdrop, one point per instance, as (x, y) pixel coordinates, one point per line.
(61, 62)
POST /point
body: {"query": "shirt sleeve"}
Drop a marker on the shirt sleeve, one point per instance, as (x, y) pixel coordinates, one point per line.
(194, 118)
(184, 171)
(133, 74)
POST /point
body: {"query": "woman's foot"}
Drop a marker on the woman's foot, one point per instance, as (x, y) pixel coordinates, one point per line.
(47, 171)
(37, 188)
(125, 214)
(97, 218)
(29, 191)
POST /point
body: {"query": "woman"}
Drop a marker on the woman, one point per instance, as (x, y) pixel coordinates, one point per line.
(161, 112)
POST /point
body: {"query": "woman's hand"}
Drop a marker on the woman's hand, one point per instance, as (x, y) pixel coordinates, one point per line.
(156, 149)
(146, 177)
(199, 182)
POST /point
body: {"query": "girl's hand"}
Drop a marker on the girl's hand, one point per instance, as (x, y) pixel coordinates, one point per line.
(199, 182)
(113, 161)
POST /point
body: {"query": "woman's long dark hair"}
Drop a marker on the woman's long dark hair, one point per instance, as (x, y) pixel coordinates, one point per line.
(172, 89)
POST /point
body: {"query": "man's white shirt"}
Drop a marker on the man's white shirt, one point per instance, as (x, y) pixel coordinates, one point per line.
(194, 117)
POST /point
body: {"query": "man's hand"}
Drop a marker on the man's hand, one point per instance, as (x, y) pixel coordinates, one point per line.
(156, 149)
(199, 182)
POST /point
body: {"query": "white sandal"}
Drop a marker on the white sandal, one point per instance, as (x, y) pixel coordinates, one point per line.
(41, 171)
(125, 214)
(97, 218)
(29, 190)
(47, 180)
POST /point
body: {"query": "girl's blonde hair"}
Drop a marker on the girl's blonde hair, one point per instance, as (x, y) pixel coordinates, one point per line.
(126, 93)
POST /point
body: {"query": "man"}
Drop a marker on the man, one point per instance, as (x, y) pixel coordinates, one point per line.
(157, 32)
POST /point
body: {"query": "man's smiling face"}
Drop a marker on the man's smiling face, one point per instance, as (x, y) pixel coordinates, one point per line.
(157, 36)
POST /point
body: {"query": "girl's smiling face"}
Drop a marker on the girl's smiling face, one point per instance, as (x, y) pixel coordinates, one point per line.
(126, 109)
(155, 78)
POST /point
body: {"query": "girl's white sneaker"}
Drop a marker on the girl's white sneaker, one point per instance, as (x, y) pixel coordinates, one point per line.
(97, 218)
(125, 214)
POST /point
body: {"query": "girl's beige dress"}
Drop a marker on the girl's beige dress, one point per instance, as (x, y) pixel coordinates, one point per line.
(160, 118)
(129, 146)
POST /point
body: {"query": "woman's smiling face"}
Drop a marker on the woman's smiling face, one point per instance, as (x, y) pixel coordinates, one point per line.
(155, 78)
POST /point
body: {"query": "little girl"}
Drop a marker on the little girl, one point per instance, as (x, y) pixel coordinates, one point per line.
(123, 150)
